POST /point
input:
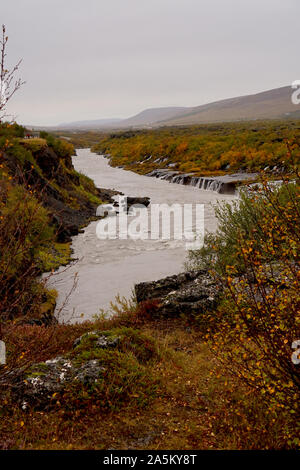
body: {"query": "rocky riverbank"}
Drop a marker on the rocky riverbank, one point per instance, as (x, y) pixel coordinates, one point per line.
(70, 197)
(222, 184)
(191, 292)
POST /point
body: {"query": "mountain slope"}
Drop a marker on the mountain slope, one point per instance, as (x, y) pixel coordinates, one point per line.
(90, 124)
(270, 104)
(152, 116)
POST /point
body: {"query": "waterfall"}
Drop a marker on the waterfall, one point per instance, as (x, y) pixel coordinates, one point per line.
(224, 184)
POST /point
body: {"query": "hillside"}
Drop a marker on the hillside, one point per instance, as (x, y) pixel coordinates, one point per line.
(266, 105)
(90, 124)
(150, 117)
(271, 104)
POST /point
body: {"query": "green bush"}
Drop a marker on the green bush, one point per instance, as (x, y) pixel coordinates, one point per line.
(239, 219)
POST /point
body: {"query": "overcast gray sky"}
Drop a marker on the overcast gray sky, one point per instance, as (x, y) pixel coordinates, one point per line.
(89, 59)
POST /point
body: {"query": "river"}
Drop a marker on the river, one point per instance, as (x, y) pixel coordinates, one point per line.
(106, 268)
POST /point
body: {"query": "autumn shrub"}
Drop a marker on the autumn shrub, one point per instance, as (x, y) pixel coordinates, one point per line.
(208, 149)
(20, 154)
(25, 233)
(259, 319)
(9, 130)
(30, 222)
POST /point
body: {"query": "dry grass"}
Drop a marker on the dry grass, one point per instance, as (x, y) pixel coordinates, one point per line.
(197, 407)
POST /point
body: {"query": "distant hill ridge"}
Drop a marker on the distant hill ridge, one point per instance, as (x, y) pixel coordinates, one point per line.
(271, 104)
(90, 123)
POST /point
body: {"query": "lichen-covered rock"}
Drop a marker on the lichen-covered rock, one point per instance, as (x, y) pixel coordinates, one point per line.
(46, 380)
(40, 385)
(191, 292)
(103, 364)
(101, 340)
(90, 372)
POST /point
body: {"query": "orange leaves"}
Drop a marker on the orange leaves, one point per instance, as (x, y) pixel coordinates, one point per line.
(260, 318)
(206, 149)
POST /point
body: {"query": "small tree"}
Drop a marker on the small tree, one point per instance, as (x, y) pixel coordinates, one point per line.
(9, 84)
(255, 256)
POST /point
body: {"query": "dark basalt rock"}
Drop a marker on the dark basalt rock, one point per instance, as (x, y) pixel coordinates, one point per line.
(191, 292)
(145, 201)
(50, 165)
(124, 205)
